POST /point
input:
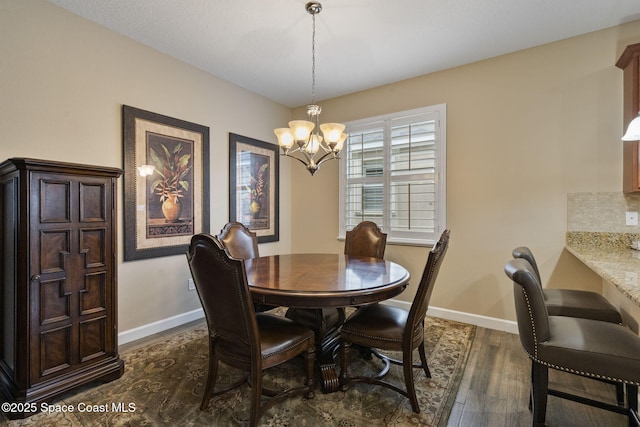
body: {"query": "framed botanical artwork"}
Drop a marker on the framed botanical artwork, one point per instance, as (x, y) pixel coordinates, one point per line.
(166, 187)
(254, 171)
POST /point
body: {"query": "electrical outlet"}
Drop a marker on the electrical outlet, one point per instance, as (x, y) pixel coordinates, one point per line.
(192, 286)
(632, 218)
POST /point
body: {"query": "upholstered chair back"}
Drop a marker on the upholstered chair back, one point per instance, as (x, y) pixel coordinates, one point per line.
(423, 295)
(531, 311)
(241, 242)
(222, 286)
(365, 240)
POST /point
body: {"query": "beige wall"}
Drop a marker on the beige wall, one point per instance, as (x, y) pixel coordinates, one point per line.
(63, 81)
(523, 130)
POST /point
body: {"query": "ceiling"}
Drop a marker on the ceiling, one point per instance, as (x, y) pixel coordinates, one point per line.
(265, 45)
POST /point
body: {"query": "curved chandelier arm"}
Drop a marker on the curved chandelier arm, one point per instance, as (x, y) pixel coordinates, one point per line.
(297, 158)
(300, 149)
(325, 157)
(311, 166)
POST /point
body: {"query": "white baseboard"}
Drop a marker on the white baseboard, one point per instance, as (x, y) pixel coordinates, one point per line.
(475, 319)
(159, 326)
(459, 316)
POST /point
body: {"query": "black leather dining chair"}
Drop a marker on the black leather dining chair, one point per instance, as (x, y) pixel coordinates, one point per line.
(586, 347)
(240, 337)
(384, 327)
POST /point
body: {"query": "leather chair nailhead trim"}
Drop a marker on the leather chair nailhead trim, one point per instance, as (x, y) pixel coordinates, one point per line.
(533, 325)
(373, 337)
(300, 344)
(562, 368)
(586, 374)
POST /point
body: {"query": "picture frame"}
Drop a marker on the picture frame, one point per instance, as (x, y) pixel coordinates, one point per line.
(162, 211)
(254, 186)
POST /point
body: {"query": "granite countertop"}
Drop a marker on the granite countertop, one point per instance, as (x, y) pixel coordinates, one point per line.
(609, 255)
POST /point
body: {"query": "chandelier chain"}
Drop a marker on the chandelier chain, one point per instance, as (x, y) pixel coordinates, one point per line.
(313, 59)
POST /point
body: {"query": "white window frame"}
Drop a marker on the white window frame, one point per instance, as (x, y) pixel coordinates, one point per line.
(434, 112)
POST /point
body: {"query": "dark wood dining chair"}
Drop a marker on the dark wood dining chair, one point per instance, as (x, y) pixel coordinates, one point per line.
(365, 240)
(242, 243)
(240, 337)
(383, 327)
(585, 347)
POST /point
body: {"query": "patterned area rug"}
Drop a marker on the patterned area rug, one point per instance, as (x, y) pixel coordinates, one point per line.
(164, 381)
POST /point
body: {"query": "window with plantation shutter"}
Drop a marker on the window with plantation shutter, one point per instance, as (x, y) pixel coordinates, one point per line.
(393, 173)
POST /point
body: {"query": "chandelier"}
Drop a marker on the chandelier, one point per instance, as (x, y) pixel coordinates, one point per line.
(302, 140)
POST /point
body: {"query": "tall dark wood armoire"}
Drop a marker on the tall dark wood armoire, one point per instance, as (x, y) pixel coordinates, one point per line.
(58, 272)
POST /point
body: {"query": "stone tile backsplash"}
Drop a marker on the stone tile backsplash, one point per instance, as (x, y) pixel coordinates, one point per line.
(601, 212)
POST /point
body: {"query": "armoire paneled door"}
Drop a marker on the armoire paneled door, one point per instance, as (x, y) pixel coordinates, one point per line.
(58, 266)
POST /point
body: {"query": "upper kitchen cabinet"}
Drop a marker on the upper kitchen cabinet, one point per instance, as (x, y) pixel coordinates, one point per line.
(629, 62)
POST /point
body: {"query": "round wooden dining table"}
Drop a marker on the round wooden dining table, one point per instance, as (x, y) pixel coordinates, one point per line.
(316, 288)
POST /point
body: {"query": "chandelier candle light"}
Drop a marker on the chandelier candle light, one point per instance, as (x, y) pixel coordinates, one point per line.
(304, 133)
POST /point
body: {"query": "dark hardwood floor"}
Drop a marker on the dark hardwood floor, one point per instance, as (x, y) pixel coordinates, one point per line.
(495, 390)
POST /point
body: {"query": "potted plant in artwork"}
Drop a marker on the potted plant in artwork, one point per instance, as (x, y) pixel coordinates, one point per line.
(173, 167)
(256, 188)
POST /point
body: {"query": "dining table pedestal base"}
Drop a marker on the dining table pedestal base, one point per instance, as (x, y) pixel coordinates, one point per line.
(325, 323)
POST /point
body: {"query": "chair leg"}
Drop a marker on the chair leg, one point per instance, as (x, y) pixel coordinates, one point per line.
(407, 367)
(310, 358)
(212, 376)
(531, 390)
(632, 398)
(423, 359)
(256, 396)
(620, 394)
(345, 348)
(540, 385)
